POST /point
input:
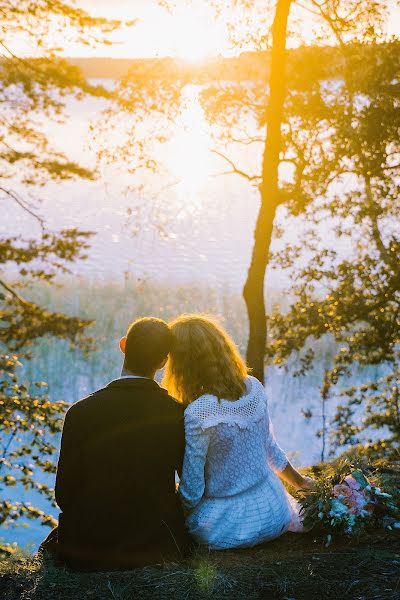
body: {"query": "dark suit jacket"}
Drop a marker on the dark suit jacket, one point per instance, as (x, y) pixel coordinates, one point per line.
(115, 481)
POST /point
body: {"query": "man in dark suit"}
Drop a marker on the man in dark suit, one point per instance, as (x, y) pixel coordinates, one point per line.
(120, 448)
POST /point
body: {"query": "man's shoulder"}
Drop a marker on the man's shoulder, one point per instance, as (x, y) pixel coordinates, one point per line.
(171, 404)
(84, 403)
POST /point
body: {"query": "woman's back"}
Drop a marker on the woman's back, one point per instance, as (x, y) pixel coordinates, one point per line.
(228, 480)
(236, 435)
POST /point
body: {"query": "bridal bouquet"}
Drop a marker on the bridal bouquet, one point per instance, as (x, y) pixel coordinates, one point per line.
(347, 502)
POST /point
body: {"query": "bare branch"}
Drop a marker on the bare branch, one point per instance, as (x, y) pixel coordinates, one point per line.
(235, 169)
(247, 141)
(14, 196)
(14, 293)
(308, 9)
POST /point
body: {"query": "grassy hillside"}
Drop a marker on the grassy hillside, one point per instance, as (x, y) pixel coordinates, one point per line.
(294, 567)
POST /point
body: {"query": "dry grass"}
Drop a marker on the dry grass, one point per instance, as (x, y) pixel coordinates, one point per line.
(292, 567)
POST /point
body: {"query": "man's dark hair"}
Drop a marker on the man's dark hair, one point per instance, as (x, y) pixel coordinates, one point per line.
(148, 343)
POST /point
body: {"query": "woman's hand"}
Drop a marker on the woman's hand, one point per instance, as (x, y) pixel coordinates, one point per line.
(296, 479)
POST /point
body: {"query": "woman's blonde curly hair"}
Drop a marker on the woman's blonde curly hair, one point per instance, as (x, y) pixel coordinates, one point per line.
(203, 360)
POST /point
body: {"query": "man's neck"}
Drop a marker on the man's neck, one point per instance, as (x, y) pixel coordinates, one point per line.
(126, 373)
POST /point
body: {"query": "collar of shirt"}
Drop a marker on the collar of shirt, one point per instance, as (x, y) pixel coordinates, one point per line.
(133, 377)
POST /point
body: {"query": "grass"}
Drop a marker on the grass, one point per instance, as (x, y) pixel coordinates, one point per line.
(292, 567)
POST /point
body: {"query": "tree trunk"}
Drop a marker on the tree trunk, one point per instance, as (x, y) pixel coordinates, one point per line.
(253, 291)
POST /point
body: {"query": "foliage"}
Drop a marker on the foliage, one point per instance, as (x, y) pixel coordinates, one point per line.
(380, 401)
(357, 299)
(40, 259)
(34, 82)
(28, 423)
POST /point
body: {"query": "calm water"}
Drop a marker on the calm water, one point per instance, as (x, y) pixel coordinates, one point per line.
(209, 219)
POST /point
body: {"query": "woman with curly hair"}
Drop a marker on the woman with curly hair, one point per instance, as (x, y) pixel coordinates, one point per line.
(230, 485)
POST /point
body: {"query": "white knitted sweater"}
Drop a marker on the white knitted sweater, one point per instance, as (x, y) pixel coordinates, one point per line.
(228, 485)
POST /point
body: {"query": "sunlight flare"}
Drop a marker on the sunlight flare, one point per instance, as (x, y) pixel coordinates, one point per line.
(188, 158)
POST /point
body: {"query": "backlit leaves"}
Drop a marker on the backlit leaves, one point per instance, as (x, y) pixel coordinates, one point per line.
(29, 428)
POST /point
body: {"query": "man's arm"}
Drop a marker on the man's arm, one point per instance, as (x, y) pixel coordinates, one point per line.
(70, 462)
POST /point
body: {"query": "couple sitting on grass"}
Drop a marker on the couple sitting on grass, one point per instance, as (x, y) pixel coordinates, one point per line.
(122, 446)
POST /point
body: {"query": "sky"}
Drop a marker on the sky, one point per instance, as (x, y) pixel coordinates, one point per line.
(192, 32)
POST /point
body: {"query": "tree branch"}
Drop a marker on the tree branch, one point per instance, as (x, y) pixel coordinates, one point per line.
(235, 169)
(22, 204)
(14, 293)
(247, 141)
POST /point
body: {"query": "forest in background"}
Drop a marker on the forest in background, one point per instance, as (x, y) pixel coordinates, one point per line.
(248, 66)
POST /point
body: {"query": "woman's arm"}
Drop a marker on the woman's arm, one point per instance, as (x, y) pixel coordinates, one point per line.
(192, 482)
(281, 465)
(295, 479)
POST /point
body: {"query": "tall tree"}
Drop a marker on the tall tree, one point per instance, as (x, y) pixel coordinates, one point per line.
(253, 290)
(343, 20)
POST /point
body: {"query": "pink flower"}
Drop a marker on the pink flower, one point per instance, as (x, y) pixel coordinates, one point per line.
(352, 482)
(358, 501)
(348, 502)
(342, 489)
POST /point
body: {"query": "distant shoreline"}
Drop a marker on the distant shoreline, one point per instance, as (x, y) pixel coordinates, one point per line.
(253, 66)
(317, 62)
(310, 62)
(250, 64)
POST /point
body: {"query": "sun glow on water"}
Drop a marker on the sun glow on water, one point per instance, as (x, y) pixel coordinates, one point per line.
(188, 158)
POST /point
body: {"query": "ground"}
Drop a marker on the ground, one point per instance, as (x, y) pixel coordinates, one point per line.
(294, 567)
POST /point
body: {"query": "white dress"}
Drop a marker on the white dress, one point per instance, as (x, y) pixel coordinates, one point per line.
(229, 488)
